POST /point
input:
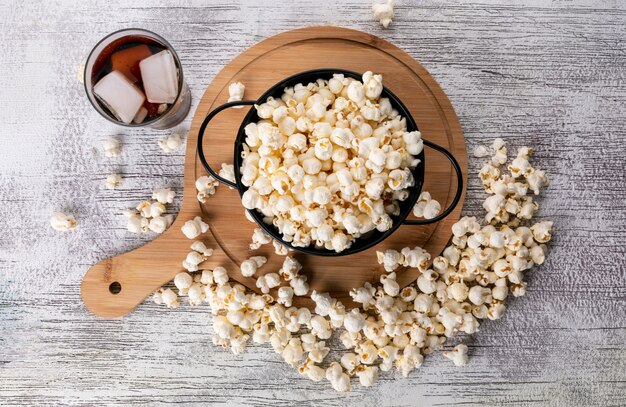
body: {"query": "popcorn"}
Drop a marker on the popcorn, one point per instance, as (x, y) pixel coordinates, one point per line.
(259, 238)
(318, 351)
(194, 228)
(112, 147)
(223, 328)
(137, 224)
(350, 361)
(354, 321)
(390, 259)
(410, 359)
(250, 266)
(293, 352)
(201, 248)
(164, 195)
(299, 285)
(536, 180)
(195, 294)
(390, 286)
(290, 269)
(496, 311)
(323, 183)
(285, 296)
(367, 375)
(205, 185)
(183, 281)
(113, 181)
(384, 12)
(320, 327)
(150, 215)
(542, 231)
(268, 281)
(364, 295)
(313, 372)
(158, 224)
(337, 378)
(388, 355)
(227, 171)
(481, 151)
(458, 355)
(280, 249)
(170, 299)
(192, 261)
(392, 327)
(220, 276)
(479, 295)
(63, 222)
(425, 205)
(171, 143)
(236, 91)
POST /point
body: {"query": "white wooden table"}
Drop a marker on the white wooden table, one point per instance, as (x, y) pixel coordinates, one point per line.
(548, 74)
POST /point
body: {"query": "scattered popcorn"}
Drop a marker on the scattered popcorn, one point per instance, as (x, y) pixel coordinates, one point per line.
(220, 276)
(150, 215)
(367, 375)
(280, 249)
(170, 299)
(383, 12)
(164, 195)
(392, 327)
(171, 143)
(285, 296)
(250, 266)
(158, 224)
(236, 91)
(337, 378)
(458, 355)
(299, 285)
(183, 281)
(542, 231)
(426, 207)
(201, 248)
(481, 152)
(268, 281)
(62, 222)
(205, 185)
(259, 238)
(113, 181)
(227, 172)
(327, 160)
(194, 228)
(112, 147)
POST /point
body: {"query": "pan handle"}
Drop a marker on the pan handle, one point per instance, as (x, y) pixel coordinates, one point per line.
(203, 127)
(459, 187)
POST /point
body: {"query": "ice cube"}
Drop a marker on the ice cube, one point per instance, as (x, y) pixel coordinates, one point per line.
(119, 95)
(162, 108)
(160, 77)
(127, 61)
(141, 115)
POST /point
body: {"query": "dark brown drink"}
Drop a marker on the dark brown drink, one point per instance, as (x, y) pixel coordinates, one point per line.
(124, 55)
(134, 78)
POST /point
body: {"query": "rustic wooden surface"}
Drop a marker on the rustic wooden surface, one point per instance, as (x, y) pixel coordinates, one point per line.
(141, 271)
(549, 74)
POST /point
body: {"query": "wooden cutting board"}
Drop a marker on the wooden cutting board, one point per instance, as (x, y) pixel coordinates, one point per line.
(139, 272)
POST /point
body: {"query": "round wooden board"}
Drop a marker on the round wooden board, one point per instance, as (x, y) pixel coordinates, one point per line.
(143, 270)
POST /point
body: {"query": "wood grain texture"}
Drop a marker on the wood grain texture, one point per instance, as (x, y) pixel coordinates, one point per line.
(549, 74)
(140, 271)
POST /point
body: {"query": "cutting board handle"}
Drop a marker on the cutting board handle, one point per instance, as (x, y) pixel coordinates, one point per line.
(115, 286)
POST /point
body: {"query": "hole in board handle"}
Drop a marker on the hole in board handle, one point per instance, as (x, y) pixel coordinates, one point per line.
(115, 288)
